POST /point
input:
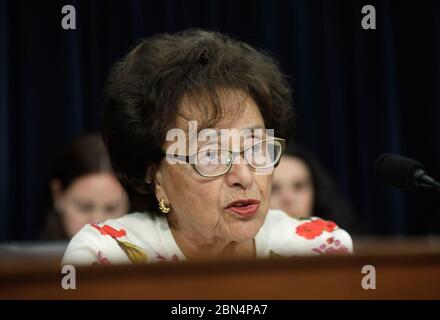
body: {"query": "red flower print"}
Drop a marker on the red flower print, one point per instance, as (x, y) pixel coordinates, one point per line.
(340, 250)
(102, 260)
(309, 230)
(160, 257)
(312, 229)
(328, 226)
(107, 230)
(334, 247)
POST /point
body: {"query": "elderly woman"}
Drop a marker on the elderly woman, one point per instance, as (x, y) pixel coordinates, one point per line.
(198, 199)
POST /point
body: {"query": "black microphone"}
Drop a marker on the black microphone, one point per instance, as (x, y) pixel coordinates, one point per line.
(403, 172)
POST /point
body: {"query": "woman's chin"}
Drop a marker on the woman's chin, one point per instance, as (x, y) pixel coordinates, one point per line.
(242, 230)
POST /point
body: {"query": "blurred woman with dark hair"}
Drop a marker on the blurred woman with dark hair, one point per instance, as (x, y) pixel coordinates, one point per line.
(303, 188)
(83, 188)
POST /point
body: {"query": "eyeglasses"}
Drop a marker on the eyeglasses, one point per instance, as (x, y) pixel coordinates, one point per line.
(212, 161)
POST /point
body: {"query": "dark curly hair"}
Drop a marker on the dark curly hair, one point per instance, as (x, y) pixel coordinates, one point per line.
(145, 89)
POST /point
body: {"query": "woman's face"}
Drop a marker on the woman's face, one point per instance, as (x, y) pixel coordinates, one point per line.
(199, 204)
(90, 199)
(292, 189)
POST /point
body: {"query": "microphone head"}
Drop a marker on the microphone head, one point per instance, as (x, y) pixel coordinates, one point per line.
(397, 170)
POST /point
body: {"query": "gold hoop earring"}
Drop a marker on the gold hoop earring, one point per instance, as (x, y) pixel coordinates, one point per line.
(162, 207)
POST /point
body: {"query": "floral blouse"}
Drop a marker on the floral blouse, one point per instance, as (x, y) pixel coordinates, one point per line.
(147, 238)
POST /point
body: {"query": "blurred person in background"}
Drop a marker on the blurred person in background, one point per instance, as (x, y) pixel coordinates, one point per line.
(83, 189)
(302, 188)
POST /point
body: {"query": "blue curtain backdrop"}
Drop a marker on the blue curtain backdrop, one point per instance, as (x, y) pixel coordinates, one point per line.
(357, 93)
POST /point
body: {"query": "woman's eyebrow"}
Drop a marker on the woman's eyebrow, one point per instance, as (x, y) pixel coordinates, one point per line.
(258, 126)
(220, 131)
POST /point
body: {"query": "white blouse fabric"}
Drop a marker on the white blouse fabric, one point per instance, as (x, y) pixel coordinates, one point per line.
(147, 238)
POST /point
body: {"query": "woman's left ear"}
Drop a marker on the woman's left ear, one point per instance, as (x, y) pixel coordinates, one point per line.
(158, 186)
(149, 173)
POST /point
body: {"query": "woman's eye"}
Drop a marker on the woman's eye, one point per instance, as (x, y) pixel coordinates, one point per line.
(209, 155)
(85, 207)
(257, 148)
(275, 188)
(299, 186)
(212, 154)
(111, 209)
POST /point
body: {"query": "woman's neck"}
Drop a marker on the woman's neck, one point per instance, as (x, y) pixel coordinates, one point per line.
(215, 249)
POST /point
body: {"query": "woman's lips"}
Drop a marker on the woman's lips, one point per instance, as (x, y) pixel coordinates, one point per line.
(245, 207)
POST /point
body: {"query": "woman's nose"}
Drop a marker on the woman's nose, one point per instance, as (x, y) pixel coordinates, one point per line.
(98, 216)
(240, 175)
(287, 202)
(287, 198)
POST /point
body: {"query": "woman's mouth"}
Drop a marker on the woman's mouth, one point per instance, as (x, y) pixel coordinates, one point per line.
(244, 207)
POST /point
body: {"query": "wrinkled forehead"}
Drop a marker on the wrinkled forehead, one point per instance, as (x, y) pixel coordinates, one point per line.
(230, 113)
(228, 119)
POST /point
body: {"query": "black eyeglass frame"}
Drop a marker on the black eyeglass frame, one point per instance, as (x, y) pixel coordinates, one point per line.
(232, 155)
